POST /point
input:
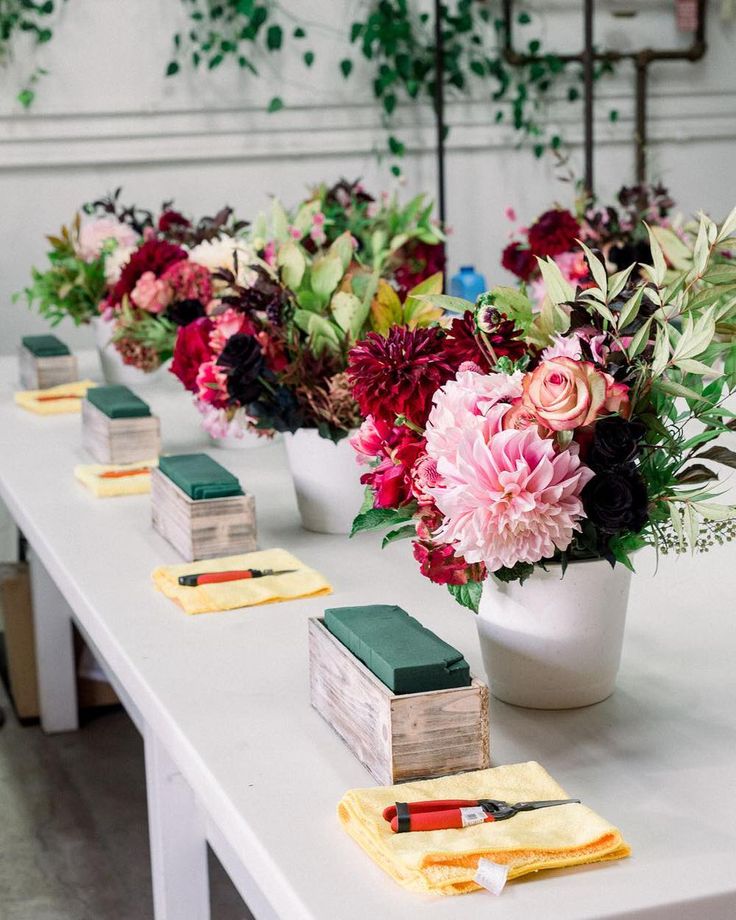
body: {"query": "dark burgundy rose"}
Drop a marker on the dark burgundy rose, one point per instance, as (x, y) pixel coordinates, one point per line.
(243, 363)
(624, 254)
(191, 350)
(615, 442)
(184, 312)
(418, 261)
(152, 256)
(553, 233)
(519, 261)
(616, 500)
(170, 219)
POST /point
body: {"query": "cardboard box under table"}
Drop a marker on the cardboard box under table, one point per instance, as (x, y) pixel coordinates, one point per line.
(118, 427)
(201, 509)
(45, 361)
(397, 737)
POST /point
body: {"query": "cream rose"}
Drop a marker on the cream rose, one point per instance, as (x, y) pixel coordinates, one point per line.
(564, 394)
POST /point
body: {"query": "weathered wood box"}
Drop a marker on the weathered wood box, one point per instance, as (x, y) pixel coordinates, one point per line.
(119, 440)
(39, 373)
(202, 528)
(397, 738)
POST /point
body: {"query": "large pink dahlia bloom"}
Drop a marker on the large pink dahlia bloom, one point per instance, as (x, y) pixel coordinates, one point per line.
(508, 496)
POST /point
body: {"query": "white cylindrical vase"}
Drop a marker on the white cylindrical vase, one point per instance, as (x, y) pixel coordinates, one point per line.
(114, 369)
(555, 642)
(326, 481)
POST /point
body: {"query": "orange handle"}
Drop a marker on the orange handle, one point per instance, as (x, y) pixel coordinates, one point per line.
(435, 820)
(214, 578)
(430, 805)
(121, 474)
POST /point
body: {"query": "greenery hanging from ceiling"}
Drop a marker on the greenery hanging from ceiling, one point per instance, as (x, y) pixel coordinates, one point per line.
(395, 39)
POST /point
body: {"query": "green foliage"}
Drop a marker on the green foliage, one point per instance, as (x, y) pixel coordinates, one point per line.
(155, 332)
(398, 41)
(467, 595)
(520, 572)
(381, 518)
(69, 286)
(26, 17)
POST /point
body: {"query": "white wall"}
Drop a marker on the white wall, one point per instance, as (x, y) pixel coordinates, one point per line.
(106, 116)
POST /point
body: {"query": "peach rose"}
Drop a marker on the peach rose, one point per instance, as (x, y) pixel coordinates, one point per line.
(520, 417)
(617, 398)
(564, 394)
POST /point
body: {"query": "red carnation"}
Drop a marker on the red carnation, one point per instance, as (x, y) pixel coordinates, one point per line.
(553, 233)
(192, 349)
(399, 374)
(152, 256)
(439, 564)
(519, 261)
(171, 219)
(418, 261)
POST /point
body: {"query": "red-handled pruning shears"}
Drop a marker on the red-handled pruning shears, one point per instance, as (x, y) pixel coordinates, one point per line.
(213, 578)
(457, 813)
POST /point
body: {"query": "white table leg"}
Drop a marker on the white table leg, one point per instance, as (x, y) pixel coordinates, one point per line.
(178, 841)
(57, 678)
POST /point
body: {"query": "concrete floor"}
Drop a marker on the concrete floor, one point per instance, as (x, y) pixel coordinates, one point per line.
(73, 834)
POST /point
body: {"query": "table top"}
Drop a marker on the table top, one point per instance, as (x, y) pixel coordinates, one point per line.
(228, 694)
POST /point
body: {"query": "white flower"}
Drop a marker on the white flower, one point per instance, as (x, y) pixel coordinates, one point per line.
(96, 236)
(114, 262)
(220, 253)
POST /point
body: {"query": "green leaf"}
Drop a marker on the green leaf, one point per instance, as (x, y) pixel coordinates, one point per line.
(172, 68)
(378, 518)
(274, 37)
(401, 533)
(290, 259)
(719, 455)
(26, 97)
(446, 302)
(467, 595)
(309, 58)
(558, 288)
(346, 66)
(327, 272)
(640, 340)
(276, 104)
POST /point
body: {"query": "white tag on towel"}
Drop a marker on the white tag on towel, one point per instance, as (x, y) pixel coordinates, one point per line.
(491, 876)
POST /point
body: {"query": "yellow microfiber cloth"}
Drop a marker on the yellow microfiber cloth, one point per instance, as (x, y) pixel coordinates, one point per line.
(305, 582)
(67, 397)
(446, 861)
(116, 479)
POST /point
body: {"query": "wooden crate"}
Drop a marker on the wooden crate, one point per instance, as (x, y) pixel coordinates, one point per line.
(205, 528)
(119, 440)
(41, 373)
(397, 738)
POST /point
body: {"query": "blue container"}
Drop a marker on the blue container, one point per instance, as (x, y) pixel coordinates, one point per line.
(468, 283)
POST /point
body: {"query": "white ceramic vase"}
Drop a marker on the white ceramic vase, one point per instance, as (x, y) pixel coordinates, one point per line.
(326, 481)
(114, 369)
(555, 643)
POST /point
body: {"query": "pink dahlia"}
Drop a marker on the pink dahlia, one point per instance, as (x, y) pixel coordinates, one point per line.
(463, 403)
(399, 374)
(508, 496)
(189, 281)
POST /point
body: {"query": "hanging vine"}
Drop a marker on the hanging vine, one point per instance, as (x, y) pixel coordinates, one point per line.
(394, 38)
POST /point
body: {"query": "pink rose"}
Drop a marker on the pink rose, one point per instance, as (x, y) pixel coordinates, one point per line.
(565, 394)
(617, 398)
(95, 236)
(151, 293)
(226, 325)
(212, 385)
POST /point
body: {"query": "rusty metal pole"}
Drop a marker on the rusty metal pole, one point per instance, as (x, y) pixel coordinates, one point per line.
(439, 107)
(588, 82)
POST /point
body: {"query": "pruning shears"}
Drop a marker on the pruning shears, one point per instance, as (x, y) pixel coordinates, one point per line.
(457, 813)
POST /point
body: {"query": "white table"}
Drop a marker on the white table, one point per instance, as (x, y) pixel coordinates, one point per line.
(236, 756)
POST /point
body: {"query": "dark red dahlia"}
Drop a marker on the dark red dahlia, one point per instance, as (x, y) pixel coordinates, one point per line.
(192, 349)
(553, 232)
(463, 344)
(399, 374)
(153, 256)
(418, 261)
(171, 219)
(519, 261)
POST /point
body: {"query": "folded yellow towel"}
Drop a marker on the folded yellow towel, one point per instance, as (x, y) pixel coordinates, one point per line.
(116, 479)
(445, 862)
(305, 582)
(67, 397)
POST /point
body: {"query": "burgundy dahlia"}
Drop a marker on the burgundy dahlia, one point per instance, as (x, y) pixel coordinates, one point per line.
(171, 219)
(153, 256)
(399, 374)
(553, 232)
(519, 261)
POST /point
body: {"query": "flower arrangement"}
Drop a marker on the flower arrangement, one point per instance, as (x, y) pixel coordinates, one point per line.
(617, 231)
(146, 274)
(496, 452)
(271, 352)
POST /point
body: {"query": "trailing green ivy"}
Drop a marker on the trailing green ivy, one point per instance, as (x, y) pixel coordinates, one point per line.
(234, 31)
(30, 17)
